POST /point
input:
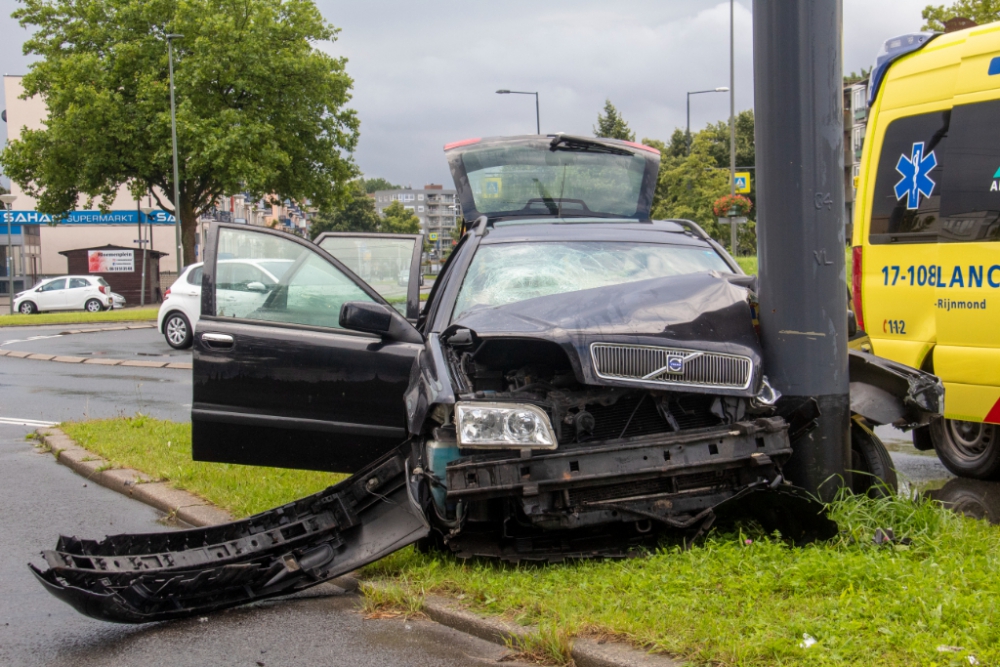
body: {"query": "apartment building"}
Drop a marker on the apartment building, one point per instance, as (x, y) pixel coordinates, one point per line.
(437, 208)
(855, 124)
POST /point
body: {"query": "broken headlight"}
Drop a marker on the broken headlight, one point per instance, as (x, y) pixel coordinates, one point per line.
(497, 425)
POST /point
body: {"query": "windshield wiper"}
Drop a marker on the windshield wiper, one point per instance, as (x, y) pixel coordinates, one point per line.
(565, 143)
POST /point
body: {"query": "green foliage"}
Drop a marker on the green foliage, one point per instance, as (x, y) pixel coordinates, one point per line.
(980, 11)
(703, 178)
(396, 219)
(259, 108)
(855, 77)
(378, 183)
(358, 215)
(611, 125)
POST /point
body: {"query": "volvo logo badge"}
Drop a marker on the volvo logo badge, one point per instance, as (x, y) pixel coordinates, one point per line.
(675, 364)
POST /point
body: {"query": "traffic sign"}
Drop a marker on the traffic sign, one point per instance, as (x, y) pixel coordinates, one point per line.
(742, 179)
(432, 236)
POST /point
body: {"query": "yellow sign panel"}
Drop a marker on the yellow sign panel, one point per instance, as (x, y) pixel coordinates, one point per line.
(432, 236)
(491, 187)
(742, 182)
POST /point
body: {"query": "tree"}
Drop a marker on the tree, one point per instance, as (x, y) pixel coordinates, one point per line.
(259, 108)
(358, 215)
(980, 11)
(378, 183)
(689, 185)
(396, 219)
(611, 125)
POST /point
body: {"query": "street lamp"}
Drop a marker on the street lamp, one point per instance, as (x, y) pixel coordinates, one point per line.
(721, 89)
(8, 202)
(538, 121)
(173, 134)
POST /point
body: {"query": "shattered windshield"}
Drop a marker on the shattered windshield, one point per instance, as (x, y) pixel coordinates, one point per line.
(533, 180)
(510, 272)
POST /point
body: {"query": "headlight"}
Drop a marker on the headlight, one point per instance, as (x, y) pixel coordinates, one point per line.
(499, 425)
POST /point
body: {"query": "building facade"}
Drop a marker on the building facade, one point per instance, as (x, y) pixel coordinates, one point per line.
(437, 208)
(855, 125)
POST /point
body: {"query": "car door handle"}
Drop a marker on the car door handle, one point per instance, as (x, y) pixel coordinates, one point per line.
(217, 340)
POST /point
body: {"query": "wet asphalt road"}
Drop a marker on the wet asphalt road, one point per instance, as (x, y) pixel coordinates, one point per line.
(42, 499)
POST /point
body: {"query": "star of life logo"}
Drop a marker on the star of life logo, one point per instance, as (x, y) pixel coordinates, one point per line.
(996, 182)
(915, 170)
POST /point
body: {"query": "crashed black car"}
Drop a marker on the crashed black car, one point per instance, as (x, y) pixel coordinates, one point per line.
(581, 378)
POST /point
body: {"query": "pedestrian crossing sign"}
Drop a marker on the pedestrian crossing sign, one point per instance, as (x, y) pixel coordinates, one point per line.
(742, 179)
(433, 236)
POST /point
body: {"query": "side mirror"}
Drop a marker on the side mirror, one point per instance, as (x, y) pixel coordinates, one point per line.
(852, 324)
(379, 319)
(256, 286)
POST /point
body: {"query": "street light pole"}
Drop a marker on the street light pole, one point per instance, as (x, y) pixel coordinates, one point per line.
(8, 202)
(687, 135)
(538, 118)
(146, 210)
(732, 107)
(173, 136)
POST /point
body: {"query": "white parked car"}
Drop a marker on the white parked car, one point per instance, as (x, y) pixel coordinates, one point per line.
(119, 300)
(242, 286)
(90, 293)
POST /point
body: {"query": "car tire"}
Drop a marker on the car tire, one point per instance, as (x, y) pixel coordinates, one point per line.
(968, 449)
(93, 306)
(872, 472)
(177, 331)
(27, 308)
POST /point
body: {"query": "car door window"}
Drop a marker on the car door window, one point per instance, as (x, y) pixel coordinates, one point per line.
(194, 276)
(54, 285)
(76, 283)
(310, 290)
(383, 263)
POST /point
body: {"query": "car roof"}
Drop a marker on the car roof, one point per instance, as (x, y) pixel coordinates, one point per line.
(674, 232)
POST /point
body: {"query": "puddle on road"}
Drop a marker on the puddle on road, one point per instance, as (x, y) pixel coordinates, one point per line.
(975, 498)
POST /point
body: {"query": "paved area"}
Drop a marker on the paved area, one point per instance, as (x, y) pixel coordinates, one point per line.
(130, 344)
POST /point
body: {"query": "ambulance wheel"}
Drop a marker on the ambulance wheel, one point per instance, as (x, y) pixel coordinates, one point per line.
(968, 449)
(872, 473)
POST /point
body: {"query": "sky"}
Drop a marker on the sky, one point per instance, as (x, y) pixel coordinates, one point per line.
(425, 74)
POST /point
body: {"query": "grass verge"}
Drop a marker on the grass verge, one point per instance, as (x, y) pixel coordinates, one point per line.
(162, 450)
(80, 317)
(734, 599)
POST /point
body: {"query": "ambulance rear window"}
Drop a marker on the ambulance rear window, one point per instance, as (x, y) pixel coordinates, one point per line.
(938, 178)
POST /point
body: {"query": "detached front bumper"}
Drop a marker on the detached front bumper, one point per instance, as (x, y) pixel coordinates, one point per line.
(671, 479)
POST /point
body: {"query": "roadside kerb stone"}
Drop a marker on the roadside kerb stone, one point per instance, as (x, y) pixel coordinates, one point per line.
(42, 357)
(103, 362)
(18, 354)
(70, 360)
(187, 507)
(143, 364)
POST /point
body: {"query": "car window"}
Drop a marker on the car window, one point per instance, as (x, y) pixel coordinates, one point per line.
(310, 291)
(382, 263)
(510, 272)
(102, 281)
(937, 179)
(194, 276)
(58, 283)
(75, 283)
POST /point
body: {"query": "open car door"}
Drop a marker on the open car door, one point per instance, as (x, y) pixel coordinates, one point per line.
(277, 381)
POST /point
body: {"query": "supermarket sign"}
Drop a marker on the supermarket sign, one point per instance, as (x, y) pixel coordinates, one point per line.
(87, 218)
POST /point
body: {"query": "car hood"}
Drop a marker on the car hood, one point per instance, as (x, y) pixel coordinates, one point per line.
(700, 312)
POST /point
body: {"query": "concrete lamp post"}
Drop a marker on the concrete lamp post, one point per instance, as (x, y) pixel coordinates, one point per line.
(146, 211)
(8, 203)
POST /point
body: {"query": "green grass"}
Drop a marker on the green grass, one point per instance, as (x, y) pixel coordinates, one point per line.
(726, 601)
(162, 450)
(80, 317)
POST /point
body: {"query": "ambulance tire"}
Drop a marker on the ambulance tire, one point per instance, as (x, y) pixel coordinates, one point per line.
(872, 472)
(968, 449)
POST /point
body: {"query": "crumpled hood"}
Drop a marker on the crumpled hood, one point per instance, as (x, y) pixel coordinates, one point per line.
(699, 307)
(700, 311)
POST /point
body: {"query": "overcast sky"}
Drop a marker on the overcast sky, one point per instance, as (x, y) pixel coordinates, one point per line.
(425, 73)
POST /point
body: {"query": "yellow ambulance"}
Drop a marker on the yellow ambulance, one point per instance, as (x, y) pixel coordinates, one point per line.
(926, 244)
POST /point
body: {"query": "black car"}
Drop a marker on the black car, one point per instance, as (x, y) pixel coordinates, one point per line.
(580, 378)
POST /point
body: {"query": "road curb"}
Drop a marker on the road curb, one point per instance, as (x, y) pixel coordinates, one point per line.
(185, 506)
(96, 361)
(199, 512)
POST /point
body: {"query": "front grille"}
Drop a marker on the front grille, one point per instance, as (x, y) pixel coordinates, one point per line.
(692, 368)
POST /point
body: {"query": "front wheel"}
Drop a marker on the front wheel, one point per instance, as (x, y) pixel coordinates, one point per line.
(177, 331)
(872, 473)
(93, 306)
(968, 449)
(27, 308)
